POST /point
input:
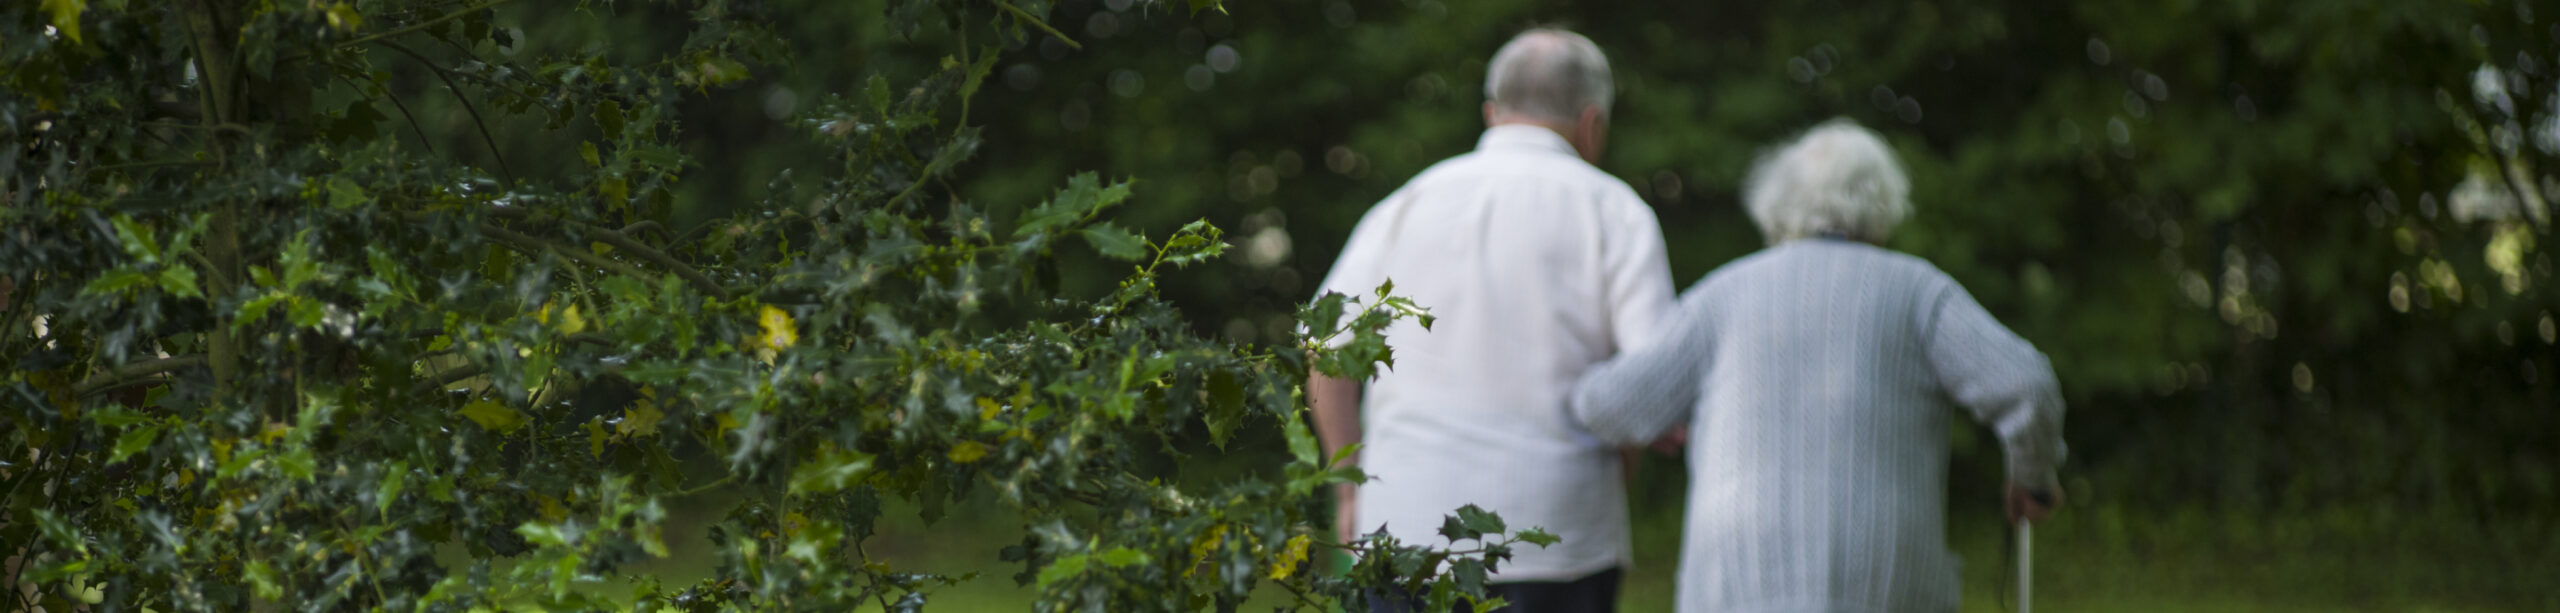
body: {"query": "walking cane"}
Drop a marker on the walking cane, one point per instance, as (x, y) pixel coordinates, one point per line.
(2027, 553)
(2026, 566)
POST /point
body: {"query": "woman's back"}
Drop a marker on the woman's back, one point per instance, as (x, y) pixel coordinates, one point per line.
(1819, 443)
(1816, 376)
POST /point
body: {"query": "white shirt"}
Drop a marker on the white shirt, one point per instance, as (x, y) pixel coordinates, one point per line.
(1538, 266)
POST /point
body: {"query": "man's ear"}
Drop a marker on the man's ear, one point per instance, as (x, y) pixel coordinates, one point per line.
(1591, 132)
(1488, 113)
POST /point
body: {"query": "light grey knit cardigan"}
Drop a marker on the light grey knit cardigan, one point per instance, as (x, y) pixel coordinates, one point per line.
(1817, 376)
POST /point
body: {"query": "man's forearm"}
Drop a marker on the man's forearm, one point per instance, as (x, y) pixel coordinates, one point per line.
(1336, 403)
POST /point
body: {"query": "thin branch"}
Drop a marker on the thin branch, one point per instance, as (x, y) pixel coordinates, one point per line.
(476, 120)
(177, 109)
(644, 224)
(404, 112)
(117, 385)
(494, 83)
(910, 190)
(531, 244)
(151, 164)
(136, 370)
(723, 480)
(1044, 26)
(442, 379)
(1301, 593)
(652, 254)
(695, 232)
(967, 65)
(421, 25)
(218, 127)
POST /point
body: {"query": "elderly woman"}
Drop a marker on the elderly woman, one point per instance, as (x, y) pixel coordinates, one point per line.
(1816, 376)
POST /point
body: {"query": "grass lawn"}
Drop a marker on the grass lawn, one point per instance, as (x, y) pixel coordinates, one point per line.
(2100, 560)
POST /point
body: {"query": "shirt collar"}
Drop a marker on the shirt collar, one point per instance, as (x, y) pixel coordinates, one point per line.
(1525, 136)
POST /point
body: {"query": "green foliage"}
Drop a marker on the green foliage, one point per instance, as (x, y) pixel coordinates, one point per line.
(263, 352)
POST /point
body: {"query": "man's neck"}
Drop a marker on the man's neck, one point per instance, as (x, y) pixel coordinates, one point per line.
(1561, 131)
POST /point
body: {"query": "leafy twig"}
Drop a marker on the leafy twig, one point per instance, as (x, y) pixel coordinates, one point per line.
(130, 165)
(644, 224)
(652, 254)
(1301, 594)
(531, 244)
(421, 25)
(218, 127)
(136, 370)
(723, 480)
(476, 120)
(445, 378)
(691, 233)
(1023, 15)
(404, 113)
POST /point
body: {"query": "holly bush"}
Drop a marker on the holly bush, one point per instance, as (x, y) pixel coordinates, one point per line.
(261, 352)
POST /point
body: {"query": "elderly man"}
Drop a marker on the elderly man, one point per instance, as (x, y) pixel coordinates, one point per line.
(1817, 376)
(1538, 265)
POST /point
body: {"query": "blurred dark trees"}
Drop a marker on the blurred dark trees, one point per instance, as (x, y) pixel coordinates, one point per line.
(2286, 255)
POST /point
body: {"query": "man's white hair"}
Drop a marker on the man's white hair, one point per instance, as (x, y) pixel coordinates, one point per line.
(1548, 74)
(1836, 179)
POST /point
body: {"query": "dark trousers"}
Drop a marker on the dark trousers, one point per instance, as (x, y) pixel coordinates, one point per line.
(1597, 593)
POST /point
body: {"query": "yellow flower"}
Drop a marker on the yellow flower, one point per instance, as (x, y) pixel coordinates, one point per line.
(779, 332)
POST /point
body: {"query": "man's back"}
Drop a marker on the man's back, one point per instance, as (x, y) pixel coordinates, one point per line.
(1537, 266)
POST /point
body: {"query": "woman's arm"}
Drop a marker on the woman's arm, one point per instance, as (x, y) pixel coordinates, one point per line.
(2003, 382)
(1633, 398)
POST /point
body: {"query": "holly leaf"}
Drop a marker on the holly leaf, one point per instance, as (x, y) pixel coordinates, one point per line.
(344, 17)
(114, 416)
(641, 421)
(1116, 243)
(1470, 575)
(1196, 242)
(66, 16)
(609, 120)
(389, 491)
(117, 283)
(1083, 196)
(297, 464)
(344, 193)
(180, 281)
(1535, 536)
(878, 91)
(134, 441)
(1063, 568)
(493, 416)
(359, 124)
(831, 470)
(1123, 557)
(1480, 520)
(1455, 530)
(978, 71)
(966, 452)
(1324, 315)
(1302, 442)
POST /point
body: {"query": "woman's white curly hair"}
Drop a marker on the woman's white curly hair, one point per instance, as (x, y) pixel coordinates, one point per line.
(1836, 179)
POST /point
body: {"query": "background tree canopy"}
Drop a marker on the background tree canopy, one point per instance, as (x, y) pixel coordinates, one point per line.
(266, 353)
(2285, 258)
(2292, 260)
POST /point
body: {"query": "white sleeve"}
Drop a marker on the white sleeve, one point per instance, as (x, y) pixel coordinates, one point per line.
(1636, 278)
(2001, 380)
(1355, 272)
